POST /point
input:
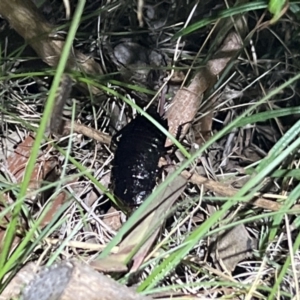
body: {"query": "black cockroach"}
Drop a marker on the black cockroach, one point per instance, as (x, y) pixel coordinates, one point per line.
(140, 144)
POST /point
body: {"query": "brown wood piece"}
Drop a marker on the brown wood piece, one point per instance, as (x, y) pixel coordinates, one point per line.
(228, 191)
(24, 17)
(186, 102)
(75, 281)
(87, 131)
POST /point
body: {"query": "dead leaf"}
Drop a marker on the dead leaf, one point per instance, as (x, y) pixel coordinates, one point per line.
(231, 247)
(113, 219)
(45, 167)
(146, 231)
(55, 205)
(168, 196)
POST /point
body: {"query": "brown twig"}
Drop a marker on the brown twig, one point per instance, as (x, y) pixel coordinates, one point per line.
(87, 131)
(29, 23)
(228, 191)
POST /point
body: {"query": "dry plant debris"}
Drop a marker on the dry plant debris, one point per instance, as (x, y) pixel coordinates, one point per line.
(47, 167)
(126, 53)
(66, 281)
(30, 24)
(150, 223)
(232, 247)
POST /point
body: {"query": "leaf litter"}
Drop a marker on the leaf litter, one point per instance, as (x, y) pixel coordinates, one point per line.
(222, 78)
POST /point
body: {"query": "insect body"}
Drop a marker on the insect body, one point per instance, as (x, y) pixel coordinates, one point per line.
(139, 146)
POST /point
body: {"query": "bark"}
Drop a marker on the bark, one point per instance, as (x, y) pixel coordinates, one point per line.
(67, 281)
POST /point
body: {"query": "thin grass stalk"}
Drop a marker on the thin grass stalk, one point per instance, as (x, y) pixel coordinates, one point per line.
(10, 232)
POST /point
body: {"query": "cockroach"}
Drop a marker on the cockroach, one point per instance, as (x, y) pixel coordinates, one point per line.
(140, 144)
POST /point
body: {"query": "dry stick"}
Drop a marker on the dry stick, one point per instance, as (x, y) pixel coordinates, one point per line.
(87, 131)
(186, 102)
(227, 191)
(67, 280)
(24, 17)
(217, 187)
(28, 22)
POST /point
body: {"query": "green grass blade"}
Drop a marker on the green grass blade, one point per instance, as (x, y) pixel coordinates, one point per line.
(10, 233)
(267, 115)
(230, 12)
(233, 124)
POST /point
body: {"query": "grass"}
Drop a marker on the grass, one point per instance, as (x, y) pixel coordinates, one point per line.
(267, 101)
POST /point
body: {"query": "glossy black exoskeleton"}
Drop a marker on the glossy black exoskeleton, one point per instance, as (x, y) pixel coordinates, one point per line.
(135, 168)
